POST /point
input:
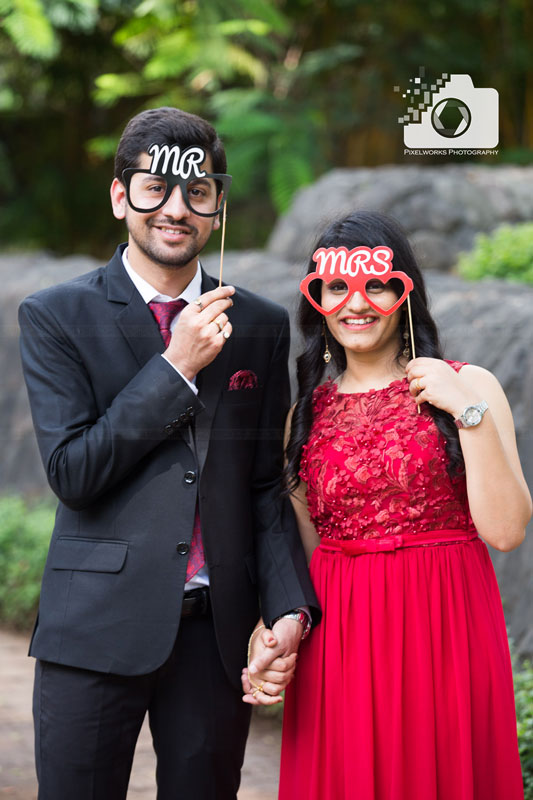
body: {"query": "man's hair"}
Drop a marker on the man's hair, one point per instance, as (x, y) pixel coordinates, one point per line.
(169, 126)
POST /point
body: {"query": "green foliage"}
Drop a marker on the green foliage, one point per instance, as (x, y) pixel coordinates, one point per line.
(25, 531)
(31, 31)
(523, 687)
(296, 87)
(506, 253)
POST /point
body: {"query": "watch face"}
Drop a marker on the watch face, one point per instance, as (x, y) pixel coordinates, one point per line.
(472, 416)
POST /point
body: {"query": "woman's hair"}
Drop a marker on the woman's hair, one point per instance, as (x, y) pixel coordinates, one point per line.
(369, 229)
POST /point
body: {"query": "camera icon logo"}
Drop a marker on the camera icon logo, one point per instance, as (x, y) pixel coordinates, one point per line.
(450, 113)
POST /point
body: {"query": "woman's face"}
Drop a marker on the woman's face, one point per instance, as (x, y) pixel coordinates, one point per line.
(357, 326)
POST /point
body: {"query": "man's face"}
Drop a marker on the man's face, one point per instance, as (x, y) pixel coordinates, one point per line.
(170, 237)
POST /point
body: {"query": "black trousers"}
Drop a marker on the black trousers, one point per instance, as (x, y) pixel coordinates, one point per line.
(87, 724)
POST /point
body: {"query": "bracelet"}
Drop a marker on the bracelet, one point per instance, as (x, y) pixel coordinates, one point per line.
(250, 640)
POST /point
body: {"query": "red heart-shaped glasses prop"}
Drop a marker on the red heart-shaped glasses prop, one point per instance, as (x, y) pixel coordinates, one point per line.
(355, 268)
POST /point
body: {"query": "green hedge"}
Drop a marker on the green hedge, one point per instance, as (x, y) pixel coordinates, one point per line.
(523, 688)
(506, 253)
(25, 530)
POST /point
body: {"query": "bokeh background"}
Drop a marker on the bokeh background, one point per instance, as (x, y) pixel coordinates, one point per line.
(302, 92)
(295, 87)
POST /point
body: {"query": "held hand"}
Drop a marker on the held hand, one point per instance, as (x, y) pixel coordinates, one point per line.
(201, 332)
(434, 381)
(272, 663)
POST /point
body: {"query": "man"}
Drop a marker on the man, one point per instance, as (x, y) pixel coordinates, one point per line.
(158, 400)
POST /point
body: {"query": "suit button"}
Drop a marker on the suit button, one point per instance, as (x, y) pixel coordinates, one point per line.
(190, 411)
(183, 418)
(182, 548)
(190, 477)
(169, 429)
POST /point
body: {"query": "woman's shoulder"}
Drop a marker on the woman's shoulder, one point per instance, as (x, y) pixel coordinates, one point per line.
(480, 380)
(479, 377)
(468, 370)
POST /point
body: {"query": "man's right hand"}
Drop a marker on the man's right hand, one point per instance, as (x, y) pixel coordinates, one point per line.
(201, 332)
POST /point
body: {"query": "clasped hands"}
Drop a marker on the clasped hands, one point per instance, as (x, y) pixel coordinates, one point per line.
(271, 662)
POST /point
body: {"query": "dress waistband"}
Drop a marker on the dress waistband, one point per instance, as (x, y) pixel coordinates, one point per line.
(386, 544)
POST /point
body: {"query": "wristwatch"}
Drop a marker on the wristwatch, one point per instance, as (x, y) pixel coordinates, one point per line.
(300, 616)
(472, 415)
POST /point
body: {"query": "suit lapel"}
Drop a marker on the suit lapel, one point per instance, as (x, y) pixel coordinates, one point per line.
(210, 384)
(132, 317)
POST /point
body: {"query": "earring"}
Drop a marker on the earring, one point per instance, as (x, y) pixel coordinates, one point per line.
(326, 355)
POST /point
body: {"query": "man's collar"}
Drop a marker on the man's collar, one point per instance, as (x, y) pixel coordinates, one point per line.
(149, 293)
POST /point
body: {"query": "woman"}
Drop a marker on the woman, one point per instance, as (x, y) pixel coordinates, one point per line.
(404, 691)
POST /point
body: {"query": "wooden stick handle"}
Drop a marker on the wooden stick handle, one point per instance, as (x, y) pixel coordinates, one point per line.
(223, 237)
(413, 348)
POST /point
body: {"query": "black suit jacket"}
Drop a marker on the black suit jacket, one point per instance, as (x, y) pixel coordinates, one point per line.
(113, 421)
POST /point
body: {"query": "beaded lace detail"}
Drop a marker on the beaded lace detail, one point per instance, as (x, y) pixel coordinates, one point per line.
(375, 467)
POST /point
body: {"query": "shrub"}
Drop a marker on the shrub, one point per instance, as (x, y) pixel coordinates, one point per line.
(505, 253)
(25, 531)
(523, 688)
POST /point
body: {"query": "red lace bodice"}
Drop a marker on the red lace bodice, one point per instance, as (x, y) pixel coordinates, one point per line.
(375, 467)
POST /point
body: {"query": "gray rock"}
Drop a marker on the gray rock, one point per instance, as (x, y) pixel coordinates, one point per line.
(449, 203)
(488, 323)
(20, 275)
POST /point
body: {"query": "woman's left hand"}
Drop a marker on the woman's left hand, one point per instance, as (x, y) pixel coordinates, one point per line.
(432, 380)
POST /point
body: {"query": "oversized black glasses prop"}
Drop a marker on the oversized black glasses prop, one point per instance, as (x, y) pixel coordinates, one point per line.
(204, 193)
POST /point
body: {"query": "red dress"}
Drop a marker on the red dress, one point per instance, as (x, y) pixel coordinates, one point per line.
(404, 691)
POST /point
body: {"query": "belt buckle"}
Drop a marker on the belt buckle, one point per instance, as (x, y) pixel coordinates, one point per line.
(195, 602)
(204, 601)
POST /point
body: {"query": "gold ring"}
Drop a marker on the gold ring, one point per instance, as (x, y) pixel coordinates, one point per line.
(417, 386)
(220, 325)
(199, 303)
(255, 692)
(260, 687)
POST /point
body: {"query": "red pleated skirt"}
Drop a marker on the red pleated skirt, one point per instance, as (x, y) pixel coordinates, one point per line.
(404, 690)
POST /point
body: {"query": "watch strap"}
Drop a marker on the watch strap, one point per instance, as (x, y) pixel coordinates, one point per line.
(299, 615)
(461, 421)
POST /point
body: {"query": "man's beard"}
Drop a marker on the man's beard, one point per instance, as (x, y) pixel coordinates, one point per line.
(164, 257)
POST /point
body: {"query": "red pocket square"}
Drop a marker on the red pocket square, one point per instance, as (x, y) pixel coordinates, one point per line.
(243, 379)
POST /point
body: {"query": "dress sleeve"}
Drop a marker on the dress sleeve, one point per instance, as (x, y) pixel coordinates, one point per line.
(456, 365)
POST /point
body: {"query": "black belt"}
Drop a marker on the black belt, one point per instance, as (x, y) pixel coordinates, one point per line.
(196, 603)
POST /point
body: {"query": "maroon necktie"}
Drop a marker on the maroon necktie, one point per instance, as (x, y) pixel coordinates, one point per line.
(164, 313)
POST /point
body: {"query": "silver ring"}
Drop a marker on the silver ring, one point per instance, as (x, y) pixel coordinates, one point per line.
(199, 303)
(220, 325)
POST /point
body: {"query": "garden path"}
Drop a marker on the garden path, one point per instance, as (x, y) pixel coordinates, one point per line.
(17, 775)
